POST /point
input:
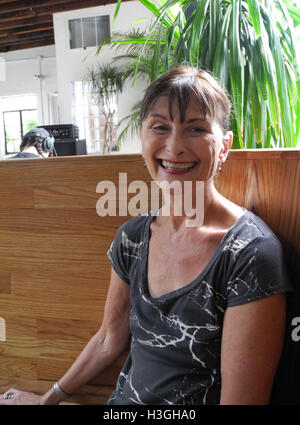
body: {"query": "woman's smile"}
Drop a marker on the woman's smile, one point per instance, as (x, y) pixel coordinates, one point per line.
(174, 167)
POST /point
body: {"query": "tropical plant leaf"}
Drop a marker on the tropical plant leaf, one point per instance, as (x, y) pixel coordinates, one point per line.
(129, 124)
(116, 11)
(249, 45)
(254, 13)
(197, 31)
(236, 69)
(214, 12)
(221, 62)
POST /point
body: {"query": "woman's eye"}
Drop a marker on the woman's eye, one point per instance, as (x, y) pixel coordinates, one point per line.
(160, 127)
(197, 129)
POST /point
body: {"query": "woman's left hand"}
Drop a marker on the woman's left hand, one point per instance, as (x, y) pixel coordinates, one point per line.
(14, 397)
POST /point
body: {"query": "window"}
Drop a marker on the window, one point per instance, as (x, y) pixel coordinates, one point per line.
(90, 118)
(88, 32)
(18, 114)
(16, 125)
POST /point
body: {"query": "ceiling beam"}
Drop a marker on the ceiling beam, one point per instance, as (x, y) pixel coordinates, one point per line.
(33, 30)
(14, 38)
(22, 31)
(27, 4)
(38, 4)
(7, 1)
(46, 41)
(37, 38)
(35, 20)
(46, 10)
(14, 16)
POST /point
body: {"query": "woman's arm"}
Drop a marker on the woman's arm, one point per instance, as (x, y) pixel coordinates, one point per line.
(251, 347)
(103, 348)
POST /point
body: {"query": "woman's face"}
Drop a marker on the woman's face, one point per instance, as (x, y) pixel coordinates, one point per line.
(188, 150)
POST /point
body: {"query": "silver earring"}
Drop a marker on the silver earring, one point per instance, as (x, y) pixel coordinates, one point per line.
(220, 165)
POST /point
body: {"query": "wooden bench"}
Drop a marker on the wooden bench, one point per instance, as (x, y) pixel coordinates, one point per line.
(54, 272)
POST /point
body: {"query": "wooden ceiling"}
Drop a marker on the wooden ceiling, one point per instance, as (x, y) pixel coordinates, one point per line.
(29, 23)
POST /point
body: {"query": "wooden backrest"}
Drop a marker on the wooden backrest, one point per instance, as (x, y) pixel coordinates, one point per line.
(54, 272)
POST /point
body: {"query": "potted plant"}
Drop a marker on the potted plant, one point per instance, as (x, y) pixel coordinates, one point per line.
(106, 83)
(248, 44)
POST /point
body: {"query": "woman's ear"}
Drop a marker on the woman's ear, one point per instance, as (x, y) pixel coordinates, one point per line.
(227, 143)
(228, 138)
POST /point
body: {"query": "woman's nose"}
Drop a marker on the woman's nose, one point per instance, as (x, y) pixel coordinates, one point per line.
(175, 144)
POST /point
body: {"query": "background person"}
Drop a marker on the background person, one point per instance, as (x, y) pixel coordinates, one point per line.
(37, 143)
(202, 308)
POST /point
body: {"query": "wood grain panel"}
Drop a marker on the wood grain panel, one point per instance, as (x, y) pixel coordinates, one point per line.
(50, 368)
(58, 221)
(67, 296)
(65, 197)
(55, 252)
(238, 189)
(11, 197)
(27, 306)
(21, 348)
(66, 329)
(19, 325)
(268, 183)
(17, 367)
(53, 172)
(36, 348)
(4, 282)
(54, 270)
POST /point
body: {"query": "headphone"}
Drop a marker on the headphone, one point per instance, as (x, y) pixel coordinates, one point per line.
(40, 135)
(48, 143)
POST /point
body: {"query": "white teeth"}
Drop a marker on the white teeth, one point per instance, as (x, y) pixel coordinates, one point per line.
(178, 166)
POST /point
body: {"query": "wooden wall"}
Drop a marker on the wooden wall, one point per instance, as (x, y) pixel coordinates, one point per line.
(54, 272)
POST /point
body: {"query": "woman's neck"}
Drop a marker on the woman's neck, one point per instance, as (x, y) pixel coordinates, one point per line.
(210, 208)
(189, 207)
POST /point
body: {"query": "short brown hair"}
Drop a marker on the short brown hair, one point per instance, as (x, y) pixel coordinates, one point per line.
(181, 83)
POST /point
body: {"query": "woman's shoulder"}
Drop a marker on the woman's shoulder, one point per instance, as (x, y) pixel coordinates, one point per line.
(127, 246)
(251, 224)
(257, 262)
(135, 228)
(252, 231)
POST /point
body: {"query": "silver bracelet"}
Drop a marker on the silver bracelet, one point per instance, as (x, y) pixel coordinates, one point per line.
(59, 391)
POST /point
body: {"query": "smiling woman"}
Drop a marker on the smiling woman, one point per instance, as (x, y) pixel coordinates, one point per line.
(202, 307)
(190, 140)
(197, 291)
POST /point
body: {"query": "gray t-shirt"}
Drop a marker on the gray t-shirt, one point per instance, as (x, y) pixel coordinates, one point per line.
(176, 339)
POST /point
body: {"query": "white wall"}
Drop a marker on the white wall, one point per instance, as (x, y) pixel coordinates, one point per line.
(61, 65)
(21, 67)
(72, 64)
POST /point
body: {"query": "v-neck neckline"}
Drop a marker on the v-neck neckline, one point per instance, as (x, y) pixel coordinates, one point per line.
(187, 287)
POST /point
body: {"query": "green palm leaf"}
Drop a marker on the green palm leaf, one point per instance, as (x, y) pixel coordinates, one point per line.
(248, 44)
(236, 66)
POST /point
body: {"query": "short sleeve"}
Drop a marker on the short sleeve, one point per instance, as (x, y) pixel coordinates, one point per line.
(116, 256)
(258, 272)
